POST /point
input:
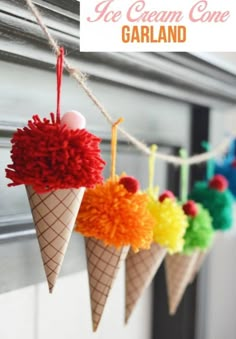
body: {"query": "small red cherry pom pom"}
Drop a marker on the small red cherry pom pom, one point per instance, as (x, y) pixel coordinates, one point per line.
(130, 183)
(190, 208)
(233, 164)
(165, 195)
(219, 183)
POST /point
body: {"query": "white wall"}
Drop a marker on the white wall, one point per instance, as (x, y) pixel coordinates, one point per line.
(31, 313)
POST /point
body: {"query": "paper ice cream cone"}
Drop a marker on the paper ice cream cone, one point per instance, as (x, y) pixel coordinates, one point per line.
(140, 270)
(201, 256)
(54, 215)
(103, 264)
(179, 270)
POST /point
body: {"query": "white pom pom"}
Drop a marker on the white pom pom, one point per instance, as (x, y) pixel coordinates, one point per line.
(73, 120)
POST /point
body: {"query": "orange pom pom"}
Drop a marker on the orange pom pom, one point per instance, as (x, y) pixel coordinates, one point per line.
(117, 217)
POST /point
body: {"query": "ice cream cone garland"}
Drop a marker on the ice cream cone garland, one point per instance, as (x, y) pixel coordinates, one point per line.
(113, 216)
(169, 228)
(56, 159)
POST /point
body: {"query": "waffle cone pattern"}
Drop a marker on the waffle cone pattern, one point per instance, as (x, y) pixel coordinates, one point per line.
(201, 256)
(103, 264)
(179, 270)
(141, 268)
(54, 215)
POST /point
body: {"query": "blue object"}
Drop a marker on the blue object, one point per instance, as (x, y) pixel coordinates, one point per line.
(227, 167)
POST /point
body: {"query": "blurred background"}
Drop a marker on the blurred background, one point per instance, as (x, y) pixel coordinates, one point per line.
(172, 99)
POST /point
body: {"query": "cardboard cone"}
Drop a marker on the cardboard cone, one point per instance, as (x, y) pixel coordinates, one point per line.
(141, 267)
(200, 260)
(201, 256)
(54, 215)
(103, 264)
(179, 270)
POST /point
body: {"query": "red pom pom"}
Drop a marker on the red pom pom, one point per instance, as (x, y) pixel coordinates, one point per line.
(130, 183)
(49, 156)
(190, 208)
(233, 164)
(166, 194)
(219, 183)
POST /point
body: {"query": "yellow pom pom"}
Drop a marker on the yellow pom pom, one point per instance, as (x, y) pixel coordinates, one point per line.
(109, 212)
(170, 224)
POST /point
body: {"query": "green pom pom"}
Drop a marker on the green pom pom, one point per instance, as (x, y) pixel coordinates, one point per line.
(219, 204)
(200, 233)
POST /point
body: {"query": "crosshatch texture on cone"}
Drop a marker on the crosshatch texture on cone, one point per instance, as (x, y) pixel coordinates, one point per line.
(179, 269)
(140, 270)
(54, 215)
(103, 264)
(201, 256)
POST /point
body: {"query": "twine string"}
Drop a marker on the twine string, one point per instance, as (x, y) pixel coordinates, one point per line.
(151, 169)
(210, 166)
(59, 71)
(114, 147)
(184, 176)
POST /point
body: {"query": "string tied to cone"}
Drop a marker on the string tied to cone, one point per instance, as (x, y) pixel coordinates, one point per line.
(152, 190)
(59, 74)
(114, 147)
(210, 162)
(184, 176)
